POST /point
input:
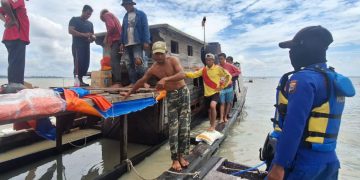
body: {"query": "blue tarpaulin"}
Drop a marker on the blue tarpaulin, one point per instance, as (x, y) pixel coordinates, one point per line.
(126, 107)
(45, 129)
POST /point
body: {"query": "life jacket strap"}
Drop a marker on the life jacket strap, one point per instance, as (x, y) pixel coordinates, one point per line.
(324, 135)
(325, 115)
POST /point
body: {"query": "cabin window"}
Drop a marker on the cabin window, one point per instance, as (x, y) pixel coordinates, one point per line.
(174, 47)
(190, 50)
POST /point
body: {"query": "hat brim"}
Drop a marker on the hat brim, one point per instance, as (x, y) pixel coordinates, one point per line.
(287, 44)
(159, 51)
(133, 3)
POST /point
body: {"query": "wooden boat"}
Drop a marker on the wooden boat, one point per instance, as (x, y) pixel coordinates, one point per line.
(133, 136)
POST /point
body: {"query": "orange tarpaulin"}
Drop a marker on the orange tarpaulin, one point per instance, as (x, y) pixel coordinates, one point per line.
(100, 101)
(74, 103)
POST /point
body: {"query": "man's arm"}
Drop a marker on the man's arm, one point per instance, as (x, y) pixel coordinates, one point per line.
(74, 32)
(227, 76)
(195, 74)
(139, 83)
(235, 71)
(146, 31)
(8, 10)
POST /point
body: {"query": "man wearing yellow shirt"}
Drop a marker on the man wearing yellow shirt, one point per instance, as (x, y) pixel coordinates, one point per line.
(215, 79)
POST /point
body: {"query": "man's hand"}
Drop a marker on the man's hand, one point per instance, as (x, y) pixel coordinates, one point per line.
(146, 46)
(92, 38)
(125, 95)
(160, 85)
(276, 173)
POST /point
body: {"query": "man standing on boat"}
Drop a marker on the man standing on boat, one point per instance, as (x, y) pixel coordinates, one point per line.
(227, 94)
(308, 110)
(135, 38)
(16, 37)
(82, 32)
(112, 40)
(215, 79)
(171, 78)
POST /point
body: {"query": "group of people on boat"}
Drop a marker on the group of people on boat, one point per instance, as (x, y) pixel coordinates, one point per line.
(309, 100)
(129, 40)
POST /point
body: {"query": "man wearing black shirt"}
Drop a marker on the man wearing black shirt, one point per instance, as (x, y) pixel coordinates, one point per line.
(82, 31)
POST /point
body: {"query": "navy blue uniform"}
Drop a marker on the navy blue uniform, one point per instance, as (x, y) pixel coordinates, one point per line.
(305, 90)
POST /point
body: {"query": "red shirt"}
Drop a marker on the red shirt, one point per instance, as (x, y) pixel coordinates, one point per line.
(233, 70)
(113, 27)
(13, 33)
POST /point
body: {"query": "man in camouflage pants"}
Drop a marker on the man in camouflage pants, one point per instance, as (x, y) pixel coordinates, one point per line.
(179, 123)
(170, 73)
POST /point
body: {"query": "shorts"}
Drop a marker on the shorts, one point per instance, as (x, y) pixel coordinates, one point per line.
(208, 99)
(227, 95)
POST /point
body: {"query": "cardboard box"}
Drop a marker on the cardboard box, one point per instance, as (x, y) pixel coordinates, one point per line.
(101, 79)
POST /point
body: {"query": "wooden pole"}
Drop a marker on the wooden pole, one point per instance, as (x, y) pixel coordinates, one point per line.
(123, 139)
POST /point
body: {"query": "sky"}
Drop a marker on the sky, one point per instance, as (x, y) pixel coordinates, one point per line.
(248, 30)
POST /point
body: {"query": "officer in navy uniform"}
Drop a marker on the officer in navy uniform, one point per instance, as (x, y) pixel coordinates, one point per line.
(310, 101)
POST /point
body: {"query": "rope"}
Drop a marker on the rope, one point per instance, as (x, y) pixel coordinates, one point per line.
(196, 174)
(131, 167)
(247, 170)
(78, 146)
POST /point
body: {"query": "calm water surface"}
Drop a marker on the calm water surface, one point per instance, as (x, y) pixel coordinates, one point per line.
(247, 136)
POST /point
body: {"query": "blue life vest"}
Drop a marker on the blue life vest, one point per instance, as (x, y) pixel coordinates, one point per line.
(323, 124)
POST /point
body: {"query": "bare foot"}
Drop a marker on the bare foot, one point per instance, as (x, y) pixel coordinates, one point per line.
(225, 120)
(176, 165)
(211, 129)
(183, 162)
(117, 85)
(146, 85)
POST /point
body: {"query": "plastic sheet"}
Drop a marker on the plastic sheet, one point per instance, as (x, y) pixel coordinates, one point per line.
(30, 102)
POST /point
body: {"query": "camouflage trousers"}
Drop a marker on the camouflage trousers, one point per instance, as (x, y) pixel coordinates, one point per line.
(179, 115)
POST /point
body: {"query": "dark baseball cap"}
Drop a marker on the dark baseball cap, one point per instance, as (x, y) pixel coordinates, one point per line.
(314, 36)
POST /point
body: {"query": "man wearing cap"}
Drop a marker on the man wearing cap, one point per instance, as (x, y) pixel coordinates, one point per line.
(135, 38)
(170, 75)
(16, 37)
(112, 41)
(308, 111)
(227, 94)
(82, 31)
(215, 79)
